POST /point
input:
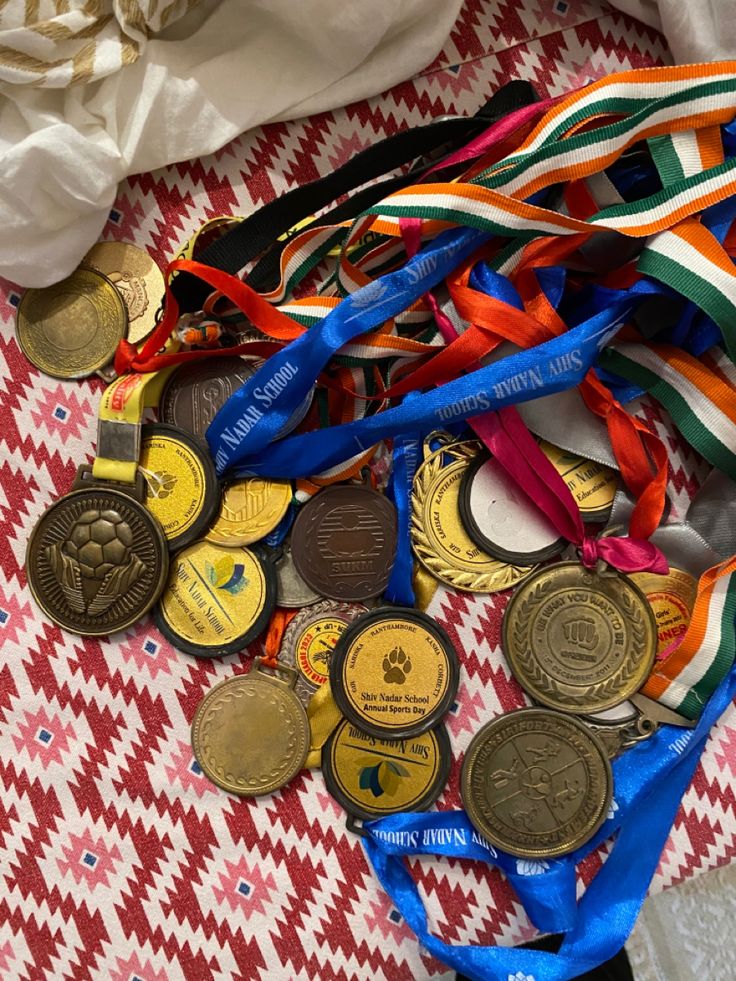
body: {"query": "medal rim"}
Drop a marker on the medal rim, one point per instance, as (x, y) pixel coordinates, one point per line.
(211, 483)
(339, 654)
(135, 336)
(639, 675)
(238, 643)
(299, 540)
(96, 366)
(431, 795)
(472, 527)
(470, 757)
(239, 678)
(158, 537)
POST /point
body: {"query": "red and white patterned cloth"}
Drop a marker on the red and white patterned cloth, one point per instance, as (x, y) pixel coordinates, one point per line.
(119, 859)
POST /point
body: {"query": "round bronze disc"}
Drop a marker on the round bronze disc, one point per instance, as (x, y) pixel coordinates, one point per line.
(310, 639)
(71, 329)
(373, 777)
(438, 537)
(196, 392)
(394, 672)
(250, 508)
(181, 484)
(136, 277)
(536, 783)
(579, 641)
(344, 542)
(96, 561)
(250, 734)
(672, 598)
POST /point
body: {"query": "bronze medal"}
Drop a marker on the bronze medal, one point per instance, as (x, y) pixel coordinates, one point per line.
(72, 329)
(394, 673)
(501, 519)
(196, 392)
(136, 277)
(217, 600)
(310, 639)
(672, 598)
(250, 734)
(250, 509)
(344, 542)
(372, 777)
(96, 561)
(291, 590)
(439, 539)
(181, 484)
(536, 783)
(578, 640)
(593, 485)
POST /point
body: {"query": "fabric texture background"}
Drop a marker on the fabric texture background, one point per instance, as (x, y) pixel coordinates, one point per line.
(118, 858)
(699, 30)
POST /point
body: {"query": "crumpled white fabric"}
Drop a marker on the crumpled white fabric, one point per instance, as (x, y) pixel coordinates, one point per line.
(696, 30)
(223, 67)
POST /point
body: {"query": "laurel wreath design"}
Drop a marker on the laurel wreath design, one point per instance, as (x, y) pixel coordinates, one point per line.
(500, 575)
(532, 675)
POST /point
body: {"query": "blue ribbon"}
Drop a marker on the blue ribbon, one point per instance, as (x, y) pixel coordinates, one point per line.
(400, 589)
(649, 779)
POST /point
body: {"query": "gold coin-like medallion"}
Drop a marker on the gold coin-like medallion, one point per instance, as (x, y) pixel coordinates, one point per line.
(672, 598)
(136, 277)
(593, 485)
(250, 734)
(96, 561)
(217, 600)
(578, 640)
(72, 329)
(536, 783)
(438, 537)
(250, 508)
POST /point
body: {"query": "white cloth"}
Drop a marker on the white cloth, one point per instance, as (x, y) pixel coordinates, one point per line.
(221, 68)
(696, 30)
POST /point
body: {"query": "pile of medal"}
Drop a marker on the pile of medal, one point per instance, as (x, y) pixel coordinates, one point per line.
(353, 683)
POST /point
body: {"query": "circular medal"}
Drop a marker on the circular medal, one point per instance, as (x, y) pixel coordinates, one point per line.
(181, 483)
(217, 600)
(536, 783)
(250, 734)
(579, 641)
(593, 485)
(195, 392)
(394, 673)
(373, 777)
(136, 277)
(96, 561)
(72, 329)
(438, 537)
(249, 509)
(501, 520)
(291, 590)
(344, 542)
(310, 639)
(672, 598)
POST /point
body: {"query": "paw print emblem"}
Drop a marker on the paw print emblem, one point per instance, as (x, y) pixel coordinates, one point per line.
(396, 666)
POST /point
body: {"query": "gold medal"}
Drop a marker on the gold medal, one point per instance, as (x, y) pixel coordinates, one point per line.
(578, 640)
(136, 277)
(250, 509)
(438, 537)
(593, 485)
(372, 777)
(250, 734)
(181, 483)
(394, 672)
(72, 329)
(310, 639)
(217, 600)
(97, 560)
(536, 783)
(672, 598)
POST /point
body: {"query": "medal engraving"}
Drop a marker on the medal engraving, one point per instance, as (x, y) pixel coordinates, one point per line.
(195, 392)
(136, 277)
(672, 598)
(579, 641)
(536, 783)
(249, 510)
